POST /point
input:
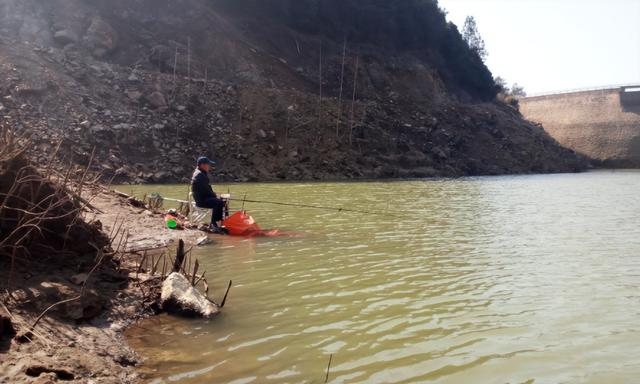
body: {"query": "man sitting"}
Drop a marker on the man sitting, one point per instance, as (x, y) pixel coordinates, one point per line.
(205, 197)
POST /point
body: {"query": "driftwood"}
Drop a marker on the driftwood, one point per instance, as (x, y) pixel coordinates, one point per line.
(177, 265)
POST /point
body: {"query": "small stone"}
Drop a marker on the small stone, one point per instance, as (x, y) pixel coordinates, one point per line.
(122, 171)
(133, 78)
(203, 241)
(134, 95)
(85, 124)
(131, 311)
(79, 279)
(97, 128)
(262, 133)
(161, 176)
(178, 170)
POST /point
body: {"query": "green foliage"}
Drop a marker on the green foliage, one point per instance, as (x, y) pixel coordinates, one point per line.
(501, 84)
(509, 95)
(471, 35)
(518, 90)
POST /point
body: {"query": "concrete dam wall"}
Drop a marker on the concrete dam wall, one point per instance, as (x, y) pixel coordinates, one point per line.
(602, 124)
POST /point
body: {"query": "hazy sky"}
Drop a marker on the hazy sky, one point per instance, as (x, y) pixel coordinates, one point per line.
(548, 45)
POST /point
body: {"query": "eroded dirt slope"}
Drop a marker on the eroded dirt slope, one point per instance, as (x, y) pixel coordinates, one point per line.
(153, 84)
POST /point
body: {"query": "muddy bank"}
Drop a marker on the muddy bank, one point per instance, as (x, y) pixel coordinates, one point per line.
(70, 286)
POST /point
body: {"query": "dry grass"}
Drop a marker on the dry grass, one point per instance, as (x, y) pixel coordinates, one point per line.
(40, 209)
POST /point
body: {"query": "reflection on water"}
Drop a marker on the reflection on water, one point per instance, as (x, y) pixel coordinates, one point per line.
(505, 279)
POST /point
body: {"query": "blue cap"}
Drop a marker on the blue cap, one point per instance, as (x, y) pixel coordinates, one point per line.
(205, 160)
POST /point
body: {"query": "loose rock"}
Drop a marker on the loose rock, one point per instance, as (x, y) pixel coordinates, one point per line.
(134, 95)
(101, 38)
(157, 100)
(65, 37)
(79, 279)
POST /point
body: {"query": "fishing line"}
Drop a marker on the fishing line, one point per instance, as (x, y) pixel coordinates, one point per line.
(309, 206)
(334, 209)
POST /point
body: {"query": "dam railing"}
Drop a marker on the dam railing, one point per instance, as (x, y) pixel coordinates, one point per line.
(586, 89)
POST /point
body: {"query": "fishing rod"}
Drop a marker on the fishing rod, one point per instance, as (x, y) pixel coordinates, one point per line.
(334, 209)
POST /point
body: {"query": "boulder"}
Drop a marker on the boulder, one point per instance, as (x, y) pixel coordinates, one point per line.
(134, 95)
(162, 177)
(79, 279)
(441, 154)
(101, 38)
(157, 100)
(97, 128)
(65, 37)
(178, 170)
(133, 77)
(122, 126)
(179, 297)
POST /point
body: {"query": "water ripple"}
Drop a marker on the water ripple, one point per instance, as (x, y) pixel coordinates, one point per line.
(512, 279)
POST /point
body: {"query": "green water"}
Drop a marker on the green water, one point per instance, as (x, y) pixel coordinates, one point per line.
(478, 280)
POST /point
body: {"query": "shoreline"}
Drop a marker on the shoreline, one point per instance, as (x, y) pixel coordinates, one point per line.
(393, 180)
(408, 177)
(65, 348)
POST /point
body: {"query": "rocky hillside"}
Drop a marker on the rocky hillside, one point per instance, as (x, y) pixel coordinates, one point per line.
(271, 89)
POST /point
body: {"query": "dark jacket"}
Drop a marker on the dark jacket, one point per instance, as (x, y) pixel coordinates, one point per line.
(201, 187)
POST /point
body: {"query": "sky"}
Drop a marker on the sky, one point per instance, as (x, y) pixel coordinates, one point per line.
(554, 45)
